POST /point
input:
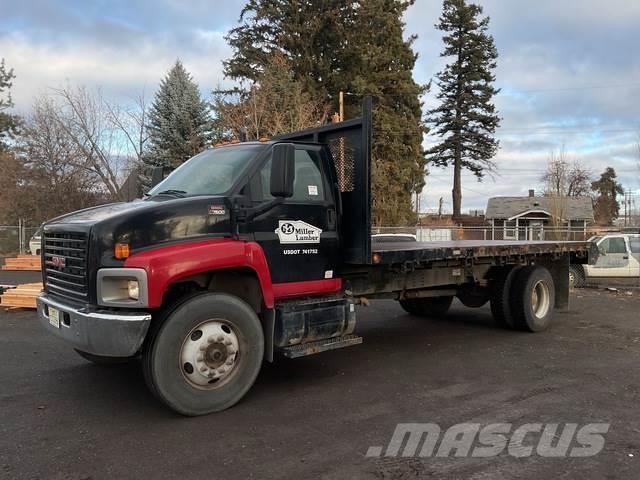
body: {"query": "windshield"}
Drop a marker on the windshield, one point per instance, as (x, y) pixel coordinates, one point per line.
(212, 172)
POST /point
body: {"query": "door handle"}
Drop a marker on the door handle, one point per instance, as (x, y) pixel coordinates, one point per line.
(626, 257)
(331, 218)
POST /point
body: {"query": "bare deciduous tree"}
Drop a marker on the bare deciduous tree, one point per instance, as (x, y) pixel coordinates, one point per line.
(109, 138)
(566, 179)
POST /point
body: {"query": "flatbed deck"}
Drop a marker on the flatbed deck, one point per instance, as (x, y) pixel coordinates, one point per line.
(401, 252)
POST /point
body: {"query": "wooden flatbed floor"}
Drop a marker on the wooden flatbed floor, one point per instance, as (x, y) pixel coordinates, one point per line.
(400, 252)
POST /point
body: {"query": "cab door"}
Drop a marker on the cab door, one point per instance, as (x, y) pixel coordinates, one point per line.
(299, 237)
(613, 258)
(634, 250)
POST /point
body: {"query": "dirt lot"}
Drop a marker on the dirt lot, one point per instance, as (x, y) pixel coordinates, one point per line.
(315, 417)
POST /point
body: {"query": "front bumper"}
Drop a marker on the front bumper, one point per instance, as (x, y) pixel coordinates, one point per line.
(106, 333)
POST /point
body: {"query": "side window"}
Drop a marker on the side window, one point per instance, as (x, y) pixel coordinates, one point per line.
(613, 245)
(307, 184)
(634, 243)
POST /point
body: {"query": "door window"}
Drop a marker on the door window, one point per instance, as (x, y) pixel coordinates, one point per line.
(634, 243)
(613, 245)
(308, 185)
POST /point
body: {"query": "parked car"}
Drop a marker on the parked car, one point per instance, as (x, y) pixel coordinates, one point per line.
(35, 243)
(618, 258)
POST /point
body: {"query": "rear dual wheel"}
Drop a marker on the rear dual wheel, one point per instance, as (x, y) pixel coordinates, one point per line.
(524, 298)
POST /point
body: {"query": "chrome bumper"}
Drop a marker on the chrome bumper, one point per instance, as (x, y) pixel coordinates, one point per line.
(111, 334)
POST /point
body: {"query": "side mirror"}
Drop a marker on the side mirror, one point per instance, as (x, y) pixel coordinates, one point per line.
(282, 170)
(601, 250)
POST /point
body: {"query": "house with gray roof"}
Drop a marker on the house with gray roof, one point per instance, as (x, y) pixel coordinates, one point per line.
(535, 218)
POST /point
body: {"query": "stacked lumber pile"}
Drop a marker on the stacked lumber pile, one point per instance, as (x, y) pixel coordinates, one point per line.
(20, 296)
(22, 262)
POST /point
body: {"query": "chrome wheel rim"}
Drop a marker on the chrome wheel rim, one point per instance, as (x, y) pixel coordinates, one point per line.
(540, 299)
(210, 354)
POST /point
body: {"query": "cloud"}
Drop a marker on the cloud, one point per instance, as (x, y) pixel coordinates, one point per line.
(569, 76)
(552, 55)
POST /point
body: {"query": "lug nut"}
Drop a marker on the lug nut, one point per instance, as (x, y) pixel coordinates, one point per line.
(220, 338)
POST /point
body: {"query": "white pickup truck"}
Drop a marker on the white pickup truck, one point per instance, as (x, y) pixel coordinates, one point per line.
(618, 259)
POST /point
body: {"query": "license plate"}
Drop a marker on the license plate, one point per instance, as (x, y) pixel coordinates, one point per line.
(54, 317)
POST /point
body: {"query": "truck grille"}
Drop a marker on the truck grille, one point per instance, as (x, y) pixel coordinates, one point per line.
(65, 265)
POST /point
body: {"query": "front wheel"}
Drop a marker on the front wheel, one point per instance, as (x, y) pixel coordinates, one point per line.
(206, 354)
(576, 276)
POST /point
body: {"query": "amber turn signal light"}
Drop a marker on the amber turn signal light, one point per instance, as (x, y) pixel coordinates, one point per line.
(121, 251)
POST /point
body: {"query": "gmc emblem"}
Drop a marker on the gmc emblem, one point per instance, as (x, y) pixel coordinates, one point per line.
(59, 262)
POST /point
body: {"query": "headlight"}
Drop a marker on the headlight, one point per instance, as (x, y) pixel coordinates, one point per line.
(134, 289)
(122, 287)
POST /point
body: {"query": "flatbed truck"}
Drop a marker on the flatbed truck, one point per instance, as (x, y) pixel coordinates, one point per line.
(260, 251)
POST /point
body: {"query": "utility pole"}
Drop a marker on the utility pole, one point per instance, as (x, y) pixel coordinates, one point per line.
(341, 101)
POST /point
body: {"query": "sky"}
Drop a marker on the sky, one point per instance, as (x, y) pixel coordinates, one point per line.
(569, 72)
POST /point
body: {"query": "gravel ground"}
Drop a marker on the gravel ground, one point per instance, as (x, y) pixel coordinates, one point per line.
(315, 417)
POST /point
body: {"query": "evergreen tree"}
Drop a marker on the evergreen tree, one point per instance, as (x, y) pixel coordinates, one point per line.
(607, 189)
(8, 122)
(179, 123)
(466, 118)
(357, 47)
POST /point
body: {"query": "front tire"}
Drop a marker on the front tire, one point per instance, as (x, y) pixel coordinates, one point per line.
(576, 276)
(205, 355)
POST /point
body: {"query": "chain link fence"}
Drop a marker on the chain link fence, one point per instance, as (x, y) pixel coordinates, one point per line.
(14, 239)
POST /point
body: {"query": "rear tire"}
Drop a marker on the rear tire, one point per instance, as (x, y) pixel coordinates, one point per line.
(576, 276)
(205, 355)
(427, 307)
(102, 360)
(501, 287)
(533, 299)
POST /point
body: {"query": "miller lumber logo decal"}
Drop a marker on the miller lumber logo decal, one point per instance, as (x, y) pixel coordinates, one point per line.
(297, 231)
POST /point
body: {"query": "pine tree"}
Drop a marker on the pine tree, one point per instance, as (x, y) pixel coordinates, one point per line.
(352, 46)
(179, 123)
(8, 122)
(466, 118)
(607, 189)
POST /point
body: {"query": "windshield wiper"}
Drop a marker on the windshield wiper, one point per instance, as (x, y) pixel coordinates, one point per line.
(175, 193)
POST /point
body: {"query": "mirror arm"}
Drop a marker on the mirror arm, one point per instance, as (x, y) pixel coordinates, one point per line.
(246, 214)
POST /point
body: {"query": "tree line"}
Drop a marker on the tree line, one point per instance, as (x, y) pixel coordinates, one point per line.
(569, 178)
(290, 60)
